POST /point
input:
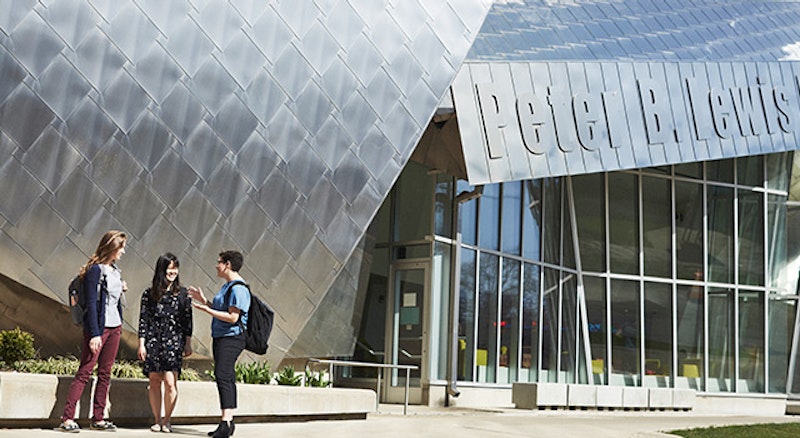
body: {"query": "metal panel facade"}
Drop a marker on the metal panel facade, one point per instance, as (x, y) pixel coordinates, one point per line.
(534, 120)
(275, 127)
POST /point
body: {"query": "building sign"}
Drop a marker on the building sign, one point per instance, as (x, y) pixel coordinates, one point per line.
(532, 120)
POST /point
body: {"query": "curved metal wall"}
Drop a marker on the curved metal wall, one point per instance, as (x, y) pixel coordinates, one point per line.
(273, 127)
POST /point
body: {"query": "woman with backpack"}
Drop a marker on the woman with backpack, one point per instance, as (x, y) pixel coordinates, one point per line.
(165, 337)
(226, 332)
(102, 327)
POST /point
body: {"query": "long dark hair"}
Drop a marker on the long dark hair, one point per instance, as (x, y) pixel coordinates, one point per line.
(160, 284)
(111, 241)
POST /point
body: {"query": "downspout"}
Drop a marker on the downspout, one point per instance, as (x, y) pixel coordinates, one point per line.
(455, 294)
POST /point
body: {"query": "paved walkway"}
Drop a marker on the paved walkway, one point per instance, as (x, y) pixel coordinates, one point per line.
(460, 423)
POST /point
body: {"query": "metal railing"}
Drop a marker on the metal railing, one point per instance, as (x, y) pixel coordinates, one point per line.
(380, 366)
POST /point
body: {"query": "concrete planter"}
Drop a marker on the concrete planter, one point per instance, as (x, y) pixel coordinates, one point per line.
(38, 400)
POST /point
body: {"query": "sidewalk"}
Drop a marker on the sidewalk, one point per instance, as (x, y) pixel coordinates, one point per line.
(461, 423)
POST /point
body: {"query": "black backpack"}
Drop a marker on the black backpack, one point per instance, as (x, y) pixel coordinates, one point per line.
(76, 297)
(260, 318)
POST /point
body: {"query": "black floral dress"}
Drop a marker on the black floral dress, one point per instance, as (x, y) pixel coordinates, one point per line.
(164, 325)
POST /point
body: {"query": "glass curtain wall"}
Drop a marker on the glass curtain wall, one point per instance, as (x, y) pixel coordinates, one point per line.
(682, 266)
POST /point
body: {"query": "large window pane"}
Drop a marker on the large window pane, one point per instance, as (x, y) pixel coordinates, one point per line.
(440, 308)
(532, 220)
(689, 229)
(779, 277)
(751, 237)
(625, 338)
(509, 322)
(781, 323)
(489, 217)
(751, 341)
(720, 340)
(657, 226)
(590, 209)
(623, 221)
(750, 170)
(530, 324)
(569, 327)
(443, 206)
(690, 311)
(550, 324)
(468, 213)
(779, 167)
(595, 291)
(720, 234)
(486, 353)
(657, 334)
(512, 218)
(466, 316)
(413, 201)
(721, 170)
(552, 221)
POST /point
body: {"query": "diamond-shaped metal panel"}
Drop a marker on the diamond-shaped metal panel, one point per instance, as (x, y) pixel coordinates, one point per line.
(272, 127)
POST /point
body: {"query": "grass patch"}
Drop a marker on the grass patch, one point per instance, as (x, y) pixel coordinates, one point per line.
(768, 430)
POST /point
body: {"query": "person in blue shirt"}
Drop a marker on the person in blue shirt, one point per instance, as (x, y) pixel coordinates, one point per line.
(227, 334)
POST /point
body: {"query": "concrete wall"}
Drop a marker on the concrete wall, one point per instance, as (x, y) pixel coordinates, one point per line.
(38, 400)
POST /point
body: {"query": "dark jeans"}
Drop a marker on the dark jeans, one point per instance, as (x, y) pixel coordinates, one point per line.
(226, 350)
(104, 359)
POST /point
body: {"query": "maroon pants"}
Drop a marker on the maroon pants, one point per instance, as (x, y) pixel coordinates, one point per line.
(104, 359)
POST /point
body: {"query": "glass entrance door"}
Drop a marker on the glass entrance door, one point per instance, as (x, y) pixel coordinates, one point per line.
(406, 330)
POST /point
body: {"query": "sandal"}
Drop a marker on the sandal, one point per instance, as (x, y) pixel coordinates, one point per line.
(69, 426)
(155, 428)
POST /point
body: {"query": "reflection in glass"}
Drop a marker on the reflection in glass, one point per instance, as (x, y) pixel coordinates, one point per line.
(511, 229)
(720, 234)
(440, 308)
(530, 324)
(486, 351)
(532, 220)
(413, 201)
(552, 221)
(690, 310)
(750, 170)
(489, 217)
(569, 326)
(720, 170)
(689, 229)
(509, 322)
(595, 290)
(781, 324)
(468, 214)
(657, 334)
(466, 316)
(443, 206)
(623, 222)
(751, 238)
(720, 345)
(779, 168)
(657, 226)
(590, 212)
(776, 239)
(625, 330)
(550, 324)
(751, 341)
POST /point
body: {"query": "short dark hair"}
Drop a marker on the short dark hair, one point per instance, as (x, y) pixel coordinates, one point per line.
(234, 257)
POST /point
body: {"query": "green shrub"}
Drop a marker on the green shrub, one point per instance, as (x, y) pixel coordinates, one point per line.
(16, 345)
(287, 376)
(66, 366)
(316, 378)
(254, 372)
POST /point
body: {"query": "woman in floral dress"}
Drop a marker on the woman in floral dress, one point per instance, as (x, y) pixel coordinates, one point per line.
(165, 337)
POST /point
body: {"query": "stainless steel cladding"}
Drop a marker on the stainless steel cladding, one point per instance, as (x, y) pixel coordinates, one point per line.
(273, 127)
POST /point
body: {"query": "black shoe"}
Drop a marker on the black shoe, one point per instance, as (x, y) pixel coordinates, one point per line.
(224, 430)
(103, 425)
(233, 428)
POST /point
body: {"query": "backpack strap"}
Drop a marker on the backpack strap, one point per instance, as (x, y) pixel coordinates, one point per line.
(228, 293)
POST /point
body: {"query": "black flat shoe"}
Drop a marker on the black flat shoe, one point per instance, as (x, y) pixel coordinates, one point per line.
(224, 430)
(233, 428)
